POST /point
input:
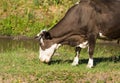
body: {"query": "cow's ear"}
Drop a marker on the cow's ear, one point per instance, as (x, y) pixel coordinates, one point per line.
(46, 35)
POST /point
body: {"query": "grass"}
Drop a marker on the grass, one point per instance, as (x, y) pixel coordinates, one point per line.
(18, 65)
(28, 17)
(22, 65)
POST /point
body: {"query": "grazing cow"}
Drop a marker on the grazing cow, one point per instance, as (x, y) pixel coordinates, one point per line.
(80, 27)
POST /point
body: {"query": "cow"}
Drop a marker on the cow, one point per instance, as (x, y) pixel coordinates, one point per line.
(82, 24)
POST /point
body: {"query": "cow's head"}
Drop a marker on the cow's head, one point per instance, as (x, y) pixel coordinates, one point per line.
(47, 46)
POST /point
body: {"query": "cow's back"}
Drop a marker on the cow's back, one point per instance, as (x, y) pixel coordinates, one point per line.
(109, 21)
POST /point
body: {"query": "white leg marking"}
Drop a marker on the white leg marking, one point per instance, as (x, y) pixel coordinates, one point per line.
(83, 44)
(75, 61)
(90, 63)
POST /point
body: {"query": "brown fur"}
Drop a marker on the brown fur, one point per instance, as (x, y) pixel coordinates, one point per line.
(84, 21)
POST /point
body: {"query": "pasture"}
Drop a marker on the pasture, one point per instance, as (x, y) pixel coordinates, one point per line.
(19, 64)
(19, 61)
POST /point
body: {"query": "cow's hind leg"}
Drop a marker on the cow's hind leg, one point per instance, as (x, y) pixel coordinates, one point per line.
(76, 58)
(91, 41)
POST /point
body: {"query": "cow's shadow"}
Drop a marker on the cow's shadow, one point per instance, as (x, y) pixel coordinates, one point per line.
(98, 60)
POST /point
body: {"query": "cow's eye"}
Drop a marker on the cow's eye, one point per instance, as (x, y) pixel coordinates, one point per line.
(46, 35)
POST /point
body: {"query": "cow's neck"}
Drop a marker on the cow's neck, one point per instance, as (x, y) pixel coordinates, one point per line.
(60, 29)
(62, 38)
(66, 25)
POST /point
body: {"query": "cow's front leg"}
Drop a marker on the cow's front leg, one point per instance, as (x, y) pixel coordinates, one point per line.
(76, 58)
(91, 41)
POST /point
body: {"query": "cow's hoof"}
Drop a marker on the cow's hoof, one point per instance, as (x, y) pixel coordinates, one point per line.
(75, 61)
(89, 66)
(74, 64)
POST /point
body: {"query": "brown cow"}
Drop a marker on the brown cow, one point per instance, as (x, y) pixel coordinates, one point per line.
(80, 27)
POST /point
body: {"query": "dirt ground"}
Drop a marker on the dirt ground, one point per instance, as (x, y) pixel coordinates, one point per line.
(99, 77)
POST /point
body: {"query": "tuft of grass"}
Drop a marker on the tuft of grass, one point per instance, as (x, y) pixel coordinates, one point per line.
(23, 65)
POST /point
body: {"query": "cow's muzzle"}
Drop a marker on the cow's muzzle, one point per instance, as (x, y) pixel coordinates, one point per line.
(45, 59)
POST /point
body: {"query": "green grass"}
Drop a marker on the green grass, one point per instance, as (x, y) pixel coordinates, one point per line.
(22, 65)
(28, 17)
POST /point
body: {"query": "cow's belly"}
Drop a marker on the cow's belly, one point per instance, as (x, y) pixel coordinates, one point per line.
(80, 44)
(76, 40)
(113, 33)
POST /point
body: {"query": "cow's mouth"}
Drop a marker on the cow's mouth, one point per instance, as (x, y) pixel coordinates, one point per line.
(45, 60)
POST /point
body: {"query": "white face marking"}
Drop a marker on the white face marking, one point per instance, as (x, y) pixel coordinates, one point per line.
(41, 41)
(75, 61)
(84, 44)
(77, 2)
(40, 32)
(90, 63)
(39, 35)
(101, 35)
(45, 55)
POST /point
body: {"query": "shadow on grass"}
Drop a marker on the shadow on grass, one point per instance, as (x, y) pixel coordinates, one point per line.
(98, 60)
